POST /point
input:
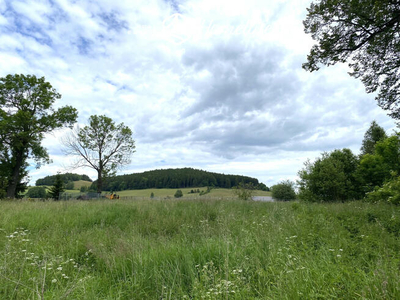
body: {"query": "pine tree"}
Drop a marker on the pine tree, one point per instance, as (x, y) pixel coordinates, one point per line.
(374, 134)
(57, 188)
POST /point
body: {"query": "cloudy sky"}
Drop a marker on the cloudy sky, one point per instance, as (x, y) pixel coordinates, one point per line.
(215, 85)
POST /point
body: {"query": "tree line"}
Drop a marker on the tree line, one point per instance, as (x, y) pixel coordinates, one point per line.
(340, 175)
(176, 178)
(66, 178)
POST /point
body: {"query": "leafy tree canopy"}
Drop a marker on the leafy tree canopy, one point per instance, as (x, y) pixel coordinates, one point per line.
(26, 114)
(330, 178)
(364, 32)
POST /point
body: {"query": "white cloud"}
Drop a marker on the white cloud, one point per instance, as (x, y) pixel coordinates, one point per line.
(216, 85)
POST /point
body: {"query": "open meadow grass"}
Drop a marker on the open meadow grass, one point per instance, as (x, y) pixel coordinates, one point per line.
(163, 193)
(197, 249)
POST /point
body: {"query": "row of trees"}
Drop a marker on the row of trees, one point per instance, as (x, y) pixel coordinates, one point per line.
(27, 113)
(341, 175)
(176, 178)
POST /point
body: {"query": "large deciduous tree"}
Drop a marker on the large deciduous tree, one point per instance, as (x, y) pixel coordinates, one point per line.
(102, 145)
(26, 114)
(367, 34)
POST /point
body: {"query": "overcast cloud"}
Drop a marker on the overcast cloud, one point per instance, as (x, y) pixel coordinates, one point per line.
(215, 85)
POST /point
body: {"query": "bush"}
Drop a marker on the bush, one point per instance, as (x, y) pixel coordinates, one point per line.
(178, 194)
(389, 192)
(284, 191)
(36, 192)
(244, 191)
(83, 189)
(152, 195)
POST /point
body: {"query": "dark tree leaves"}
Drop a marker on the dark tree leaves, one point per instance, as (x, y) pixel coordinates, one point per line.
(367, 34)
(26, 114)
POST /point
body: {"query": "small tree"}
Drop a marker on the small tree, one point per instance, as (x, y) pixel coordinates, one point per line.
(152, 195)
(330, 178)
(284, 191)
(178, 194)
(83, 189)
(102, 145)
(244, 191)
(57, 188)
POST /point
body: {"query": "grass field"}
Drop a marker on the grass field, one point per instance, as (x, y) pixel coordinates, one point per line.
(163, 193)
(178, 249)
(78, 184)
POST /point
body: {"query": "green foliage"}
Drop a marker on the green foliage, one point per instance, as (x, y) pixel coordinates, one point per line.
(66, 177)
(365, 32)
(26, 115)
(57, 188)
(69, 185)
(178, 194)
(83, 189)
(36, 192)
(374, 134)
(372, 172)
(284, 191)
(330, 178)
(152, 195)
(263, 187)
(244, 191)
(389, 192)
(174, 179)
(389, 150)
(102, 145)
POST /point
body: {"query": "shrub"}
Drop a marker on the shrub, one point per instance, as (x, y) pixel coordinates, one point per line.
(178, 194)
(244, 191)
(83, 189)
(389, 192)
(36, 192)
(284, 191)
(152, 195)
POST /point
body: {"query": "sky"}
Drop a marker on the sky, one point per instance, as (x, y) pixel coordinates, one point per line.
(212, 85)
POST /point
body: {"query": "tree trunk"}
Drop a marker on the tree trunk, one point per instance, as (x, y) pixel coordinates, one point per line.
(99, 181)
(13, 183)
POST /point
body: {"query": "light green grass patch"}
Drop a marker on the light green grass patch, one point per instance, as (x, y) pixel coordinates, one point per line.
(177, 249)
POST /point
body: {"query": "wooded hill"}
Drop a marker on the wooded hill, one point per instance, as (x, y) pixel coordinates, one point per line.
(175, 178)
(67, 177)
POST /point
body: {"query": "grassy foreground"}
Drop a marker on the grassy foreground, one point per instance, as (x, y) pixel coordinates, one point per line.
(179, 249)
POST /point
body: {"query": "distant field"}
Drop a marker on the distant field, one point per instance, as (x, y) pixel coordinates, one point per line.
(162, 193)
(201, 249)
(78, 184)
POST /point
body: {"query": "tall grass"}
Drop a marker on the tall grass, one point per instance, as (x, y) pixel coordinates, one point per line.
(179, 249)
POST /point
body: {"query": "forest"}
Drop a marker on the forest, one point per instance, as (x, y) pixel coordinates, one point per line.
(176, 178)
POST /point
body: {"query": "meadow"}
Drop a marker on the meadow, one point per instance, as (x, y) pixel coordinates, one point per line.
(198, 249)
